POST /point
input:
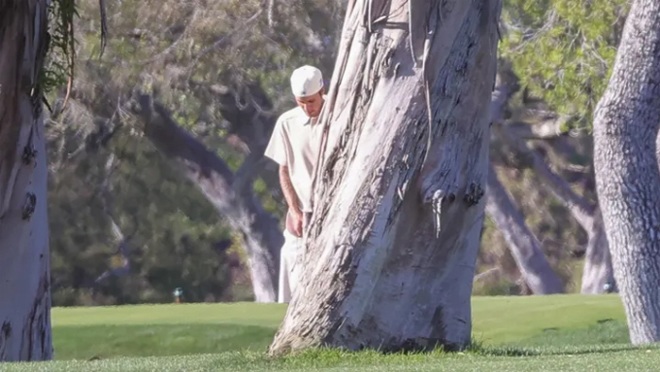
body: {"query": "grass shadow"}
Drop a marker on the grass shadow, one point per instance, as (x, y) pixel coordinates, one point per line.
(527, 352)
(605, 336)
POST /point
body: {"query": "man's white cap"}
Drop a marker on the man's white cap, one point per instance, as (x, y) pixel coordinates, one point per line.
(306, 81)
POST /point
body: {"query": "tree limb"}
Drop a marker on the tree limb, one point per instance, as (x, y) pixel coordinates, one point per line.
(524, 246)
(511, 146)
(579, 207)
(250, 120)
(119, 238)
(261, 232)
(223, 40)
(546, 129)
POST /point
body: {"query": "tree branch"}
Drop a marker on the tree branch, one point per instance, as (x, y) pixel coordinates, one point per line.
(250, 120)
(499, 98)
(580, 208)
(261, 232)
(223, 41)
(524, 246)
(118, 236)
(252, 165)
(516, 150)
(546, 129)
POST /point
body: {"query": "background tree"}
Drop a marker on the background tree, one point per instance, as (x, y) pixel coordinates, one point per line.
(627, 175)
(219, 91)
(391, 248)
(224, 89)
(559, 52)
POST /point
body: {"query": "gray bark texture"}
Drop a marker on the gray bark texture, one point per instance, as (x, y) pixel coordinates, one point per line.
(230, 193)
(627, 176)
(390, 251)
(25, 327)
(523, 244)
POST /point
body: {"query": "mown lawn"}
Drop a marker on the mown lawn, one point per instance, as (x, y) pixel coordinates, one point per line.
(563, 332)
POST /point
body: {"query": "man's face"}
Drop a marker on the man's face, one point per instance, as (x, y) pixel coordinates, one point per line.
(311, 104)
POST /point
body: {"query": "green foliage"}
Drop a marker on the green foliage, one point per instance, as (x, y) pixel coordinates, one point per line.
(173, 232)
(178, 51)
(563, 50)
(175, 48)
(59, 64)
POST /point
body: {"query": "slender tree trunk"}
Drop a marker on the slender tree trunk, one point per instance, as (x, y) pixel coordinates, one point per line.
(230, 193)
(627, 176)
(390, 251)
(524, 246)
(25, 332)
(597, 274)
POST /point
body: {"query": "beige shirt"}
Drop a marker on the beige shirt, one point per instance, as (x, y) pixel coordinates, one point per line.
(295, 143)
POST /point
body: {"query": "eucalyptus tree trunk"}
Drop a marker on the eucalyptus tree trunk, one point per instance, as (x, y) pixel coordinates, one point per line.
(390, 250)
(25, 332)
(627, 177)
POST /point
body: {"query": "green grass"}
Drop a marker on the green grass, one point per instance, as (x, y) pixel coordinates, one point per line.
(564, 332)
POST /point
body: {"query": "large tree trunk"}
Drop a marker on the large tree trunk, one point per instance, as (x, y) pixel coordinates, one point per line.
(230, 193)
(525, 247)
(25, 332)
(627, 176)
(391, 248)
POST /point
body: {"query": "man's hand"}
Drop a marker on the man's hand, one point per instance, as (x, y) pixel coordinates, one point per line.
(294, 218)
(294, 222)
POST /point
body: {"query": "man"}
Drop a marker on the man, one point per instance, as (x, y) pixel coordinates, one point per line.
(294, 145)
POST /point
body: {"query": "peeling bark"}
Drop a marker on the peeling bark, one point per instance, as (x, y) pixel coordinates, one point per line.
(25, 333)
(627, 175)
(231, 194)
(390, 251)
(523, 244)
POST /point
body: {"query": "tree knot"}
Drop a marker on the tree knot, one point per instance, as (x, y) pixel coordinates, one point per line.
(473, 194)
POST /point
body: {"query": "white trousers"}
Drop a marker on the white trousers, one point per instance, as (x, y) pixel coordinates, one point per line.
(289, 267)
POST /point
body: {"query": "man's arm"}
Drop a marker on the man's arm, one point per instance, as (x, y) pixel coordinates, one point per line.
(294, 217)
(288, 190)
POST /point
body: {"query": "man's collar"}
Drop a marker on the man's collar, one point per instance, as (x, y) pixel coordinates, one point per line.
(306, 120)
(303, 119)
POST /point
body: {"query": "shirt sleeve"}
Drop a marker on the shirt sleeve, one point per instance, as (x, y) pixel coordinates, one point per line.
(278, 144)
